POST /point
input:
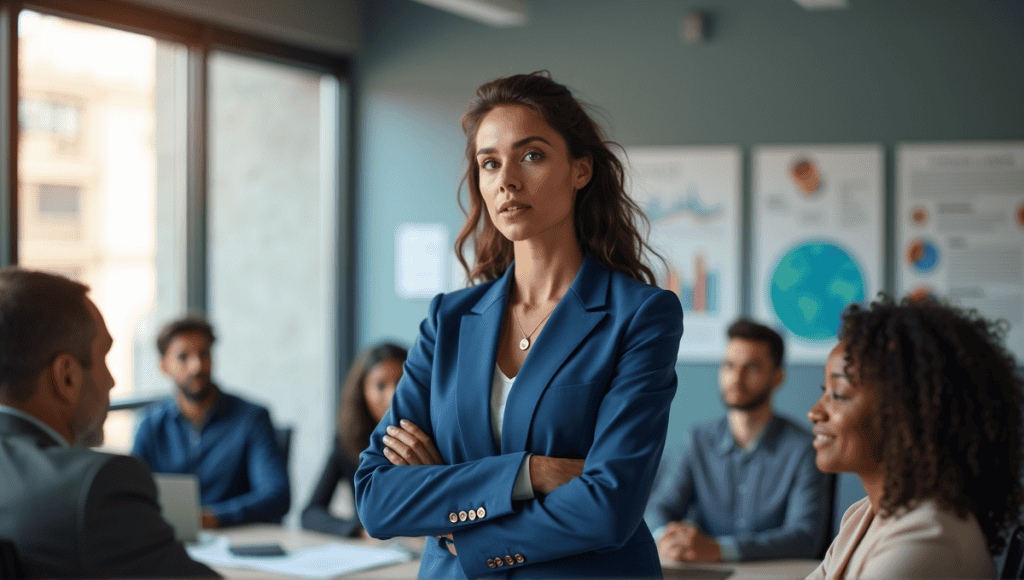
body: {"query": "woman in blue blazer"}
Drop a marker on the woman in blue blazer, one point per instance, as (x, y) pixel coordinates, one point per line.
(531, 415)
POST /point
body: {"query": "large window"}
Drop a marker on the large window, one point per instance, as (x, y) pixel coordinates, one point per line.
(272, 215)
(100, 193)
(175, 166)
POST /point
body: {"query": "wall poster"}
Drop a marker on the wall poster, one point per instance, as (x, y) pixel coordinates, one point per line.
(691, 196)
(960, 227)
(818, 240)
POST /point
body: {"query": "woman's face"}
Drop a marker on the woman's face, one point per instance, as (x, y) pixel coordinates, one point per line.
(379, 386)
(846, 430)
(527, 179)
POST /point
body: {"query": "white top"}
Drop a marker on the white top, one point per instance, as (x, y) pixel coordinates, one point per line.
(501, 386)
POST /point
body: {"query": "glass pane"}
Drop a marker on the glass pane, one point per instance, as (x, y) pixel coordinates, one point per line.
(101, 181)
(272, 255)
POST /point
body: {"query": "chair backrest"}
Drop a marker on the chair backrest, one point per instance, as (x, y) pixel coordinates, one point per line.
(284, 442)
(1014, 555)
(10, 563)
(830, 527)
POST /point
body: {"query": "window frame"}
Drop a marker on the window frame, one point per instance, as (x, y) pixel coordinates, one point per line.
(201, 39)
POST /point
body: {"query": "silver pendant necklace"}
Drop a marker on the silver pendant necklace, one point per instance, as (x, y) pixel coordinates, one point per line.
(525, 343)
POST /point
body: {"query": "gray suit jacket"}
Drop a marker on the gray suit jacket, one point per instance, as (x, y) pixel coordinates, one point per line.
(77, 513)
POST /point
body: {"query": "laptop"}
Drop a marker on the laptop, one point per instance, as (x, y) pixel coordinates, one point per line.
(178, 496)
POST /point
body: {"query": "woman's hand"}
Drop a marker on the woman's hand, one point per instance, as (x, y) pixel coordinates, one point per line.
(549, 473)
(407, 444)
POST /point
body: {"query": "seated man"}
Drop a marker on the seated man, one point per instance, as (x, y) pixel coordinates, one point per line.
(227, 442)
(71, 512)
(747, 487)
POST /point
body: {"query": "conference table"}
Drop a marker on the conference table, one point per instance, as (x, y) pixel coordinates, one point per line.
(295, 540)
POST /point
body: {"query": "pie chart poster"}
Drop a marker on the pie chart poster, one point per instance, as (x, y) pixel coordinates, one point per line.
(818, 240)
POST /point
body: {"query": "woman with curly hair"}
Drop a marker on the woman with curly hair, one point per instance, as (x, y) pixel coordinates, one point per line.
(922, 402)
(364, 398)
(527, 429)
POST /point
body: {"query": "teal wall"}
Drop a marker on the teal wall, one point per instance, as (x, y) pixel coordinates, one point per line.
(771, 72)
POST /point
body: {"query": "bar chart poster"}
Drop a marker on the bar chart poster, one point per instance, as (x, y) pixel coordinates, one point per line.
(691, 195)
(960, 228)
(818, 240)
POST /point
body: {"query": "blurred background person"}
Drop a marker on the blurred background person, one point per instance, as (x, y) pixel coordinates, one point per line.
(746, 487)
(71, 512)
(921, 401)
(365, 397)
(227, 442)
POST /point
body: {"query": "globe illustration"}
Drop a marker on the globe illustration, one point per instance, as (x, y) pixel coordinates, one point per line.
(811, 285)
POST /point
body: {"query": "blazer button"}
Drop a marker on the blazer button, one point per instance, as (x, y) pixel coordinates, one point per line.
(499, 562)
(462, 516)
(453, 517)
(520, 558)
(481, 512)
(491, 564)
(472, 515)
(509, 560)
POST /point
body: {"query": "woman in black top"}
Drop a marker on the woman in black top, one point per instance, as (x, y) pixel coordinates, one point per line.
(365, 397)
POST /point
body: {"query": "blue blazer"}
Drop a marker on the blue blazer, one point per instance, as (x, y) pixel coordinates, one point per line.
(597, 384)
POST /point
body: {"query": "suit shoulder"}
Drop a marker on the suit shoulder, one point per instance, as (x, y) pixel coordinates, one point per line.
(628, 290)
(458, 301)
(82, 468)
(122, 470)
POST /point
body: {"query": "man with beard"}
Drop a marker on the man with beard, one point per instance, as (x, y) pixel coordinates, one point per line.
(227, 442)
(747, 487)
(71, 512)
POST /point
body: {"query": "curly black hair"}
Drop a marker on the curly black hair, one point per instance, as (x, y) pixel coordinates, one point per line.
(949, 403)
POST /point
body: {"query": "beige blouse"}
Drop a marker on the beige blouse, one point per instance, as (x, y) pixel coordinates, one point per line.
(924, 542)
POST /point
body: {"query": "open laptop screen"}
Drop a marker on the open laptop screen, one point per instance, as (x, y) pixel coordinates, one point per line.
(178, 496)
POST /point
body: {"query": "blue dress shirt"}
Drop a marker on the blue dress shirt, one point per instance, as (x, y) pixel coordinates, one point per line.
(242, 475)
(769, 501)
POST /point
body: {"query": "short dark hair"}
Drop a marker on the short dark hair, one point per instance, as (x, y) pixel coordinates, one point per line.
(747, 329)
(949, 406)
(41, 315)
(190, 323)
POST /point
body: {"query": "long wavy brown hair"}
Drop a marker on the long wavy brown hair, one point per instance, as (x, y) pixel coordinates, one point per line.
(949, 408)
(606, 220)
(355, 424)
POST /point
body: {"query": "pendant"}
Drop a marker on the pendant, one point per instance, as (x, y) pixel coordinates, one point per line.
(524, 344)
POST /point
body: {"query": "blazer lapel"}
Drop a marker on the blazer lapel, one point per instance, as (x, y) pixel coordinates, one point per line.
(580, 310)
(478, 351)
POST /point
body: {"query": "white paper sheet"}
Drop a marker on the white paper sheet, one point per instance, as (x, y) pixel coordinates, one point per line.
(421, 252)
(325, 561)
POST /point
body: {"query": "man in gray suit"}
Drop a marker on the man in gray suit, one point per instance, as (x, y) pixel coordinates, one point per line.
(71, 512)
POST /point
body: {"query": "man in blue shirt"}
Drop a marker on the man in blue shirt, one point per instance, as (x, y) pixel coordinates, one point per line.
(227, 442)
(747, 487)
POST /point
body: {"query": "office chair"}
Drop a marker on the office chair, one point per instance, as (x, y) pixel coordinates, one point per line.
(1014, 555)
(830, 527)
(284, 442)
(10, 563)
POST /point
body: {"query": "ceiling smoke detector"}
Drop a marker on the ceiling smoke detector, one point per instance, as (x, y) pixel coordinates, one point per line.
(823, 4)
